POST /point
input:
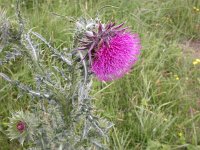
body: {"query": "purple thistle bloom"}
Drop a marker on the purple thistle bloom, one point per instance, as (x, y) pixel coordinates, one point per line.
(113, 61)
(21, 126)
(111, 50)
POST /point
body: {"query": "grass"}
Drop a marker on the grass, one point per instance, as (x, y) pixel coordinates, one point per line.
(155, 106)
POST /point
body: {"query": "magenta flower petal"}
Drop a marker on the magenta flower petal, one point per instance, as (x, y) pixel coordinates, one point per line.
(113, 61)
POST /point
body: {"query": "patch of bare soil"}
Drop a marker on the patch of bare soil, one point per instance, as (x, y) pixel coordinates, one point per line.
(191, 47)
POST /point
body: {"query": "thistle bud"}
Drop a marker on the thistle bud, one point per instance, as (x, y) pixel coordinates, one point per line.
(21, 126)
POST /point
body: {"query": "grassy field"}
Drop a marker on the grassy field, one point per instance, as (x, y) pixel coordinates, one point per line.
(157, 105)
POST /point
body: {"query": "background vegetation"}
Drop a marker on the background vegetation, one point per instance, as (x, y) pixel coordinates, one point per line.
(157, 105)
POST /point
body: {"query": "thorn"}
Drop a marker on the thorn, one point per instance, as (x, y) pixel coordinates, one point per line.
(118, 26)
(84, 42)
(81, 48)
(121, 30)
(100, 30)
(112, 24)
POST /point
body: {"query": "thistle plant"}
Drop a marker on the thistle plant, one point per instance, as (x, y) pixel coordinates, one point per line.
(60, 113)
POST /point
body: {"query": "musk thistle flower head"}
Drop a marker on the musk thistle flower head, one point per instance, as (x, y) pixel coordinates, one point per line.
(111, 50)
(22, 126)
